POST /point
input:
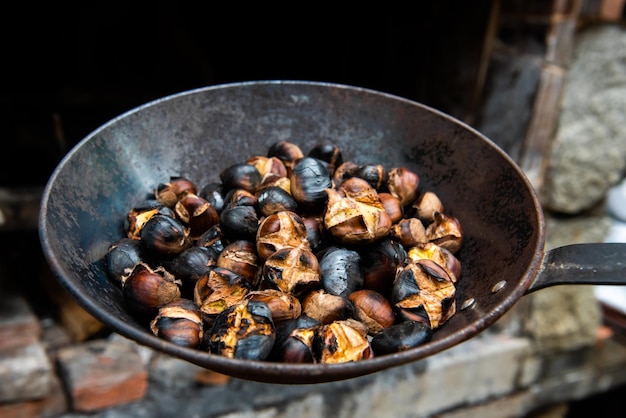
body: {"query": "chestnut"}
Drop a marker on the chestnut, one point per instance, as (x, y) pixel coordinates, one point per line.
(240, 176)
(288, 152)
(426, 206)
(239, 222)
(292, 270)
(144, 289)
(214, 194)
(169, 193)
(374, 174)
(326, 307)
(179, 322)
(392, 206)
(297, 347)
(241, 257)
(340, 270)
(239, 197)
(272, 199)
(409, 232)
(341, 342)
(122, 256)
(403, 184)
(244, 330)
(279, 230)
(218, 289)
(165, 235)
(446, 232)
(354, 213)
(422, 296)
(328, 153)
(212, 238)
(379, 264)
(343, 172)
(268, 165)
(401, 336)
(193, 263)
(137, 217)
(373, 309)
(439, 255)
(309, 180)
(197, 213)
(284, 306)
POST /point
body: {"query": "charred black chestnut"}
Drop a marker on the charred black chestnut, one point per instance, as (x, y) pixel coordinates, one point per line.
(239, 222)
(122, 256)
(340, 270)
(179, 322)
(400, 337)
(244, 330)
(309, 180)
(165, 235)
(241, 176)
(274, 199)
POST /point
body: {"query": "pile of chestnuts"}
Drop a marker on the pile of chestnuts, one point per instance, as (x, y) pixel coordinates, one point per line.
(291, 257)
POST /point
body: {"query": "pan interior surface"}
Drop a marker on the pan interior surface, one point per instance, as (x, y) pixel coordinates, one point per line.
(196, 134)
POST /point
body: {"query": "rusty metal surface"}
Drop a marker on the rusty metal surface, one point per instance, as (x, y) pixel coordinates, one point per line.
(198, 133)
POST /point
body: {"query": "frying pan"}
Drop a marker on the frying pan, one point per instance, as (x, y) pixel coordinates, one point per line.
(197, 133)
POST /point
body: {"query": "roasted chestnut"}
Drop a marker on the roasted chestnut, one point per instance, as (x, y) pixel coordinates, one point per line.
(340, 270)
(280, 230)
(197, 213)
(137, 217)
(244, 330)
(329, 153)
(122, 256)
(409, 232)
(373, 309)
(439, 255)
(446, 232)
(165, 235)
(309, 180)
(292, 270)
(239, 222)
(272, 199)
(193, 263)
(423, 294)
(219, 289)
(379, 263)
(284, 306)
(268, 165)
(426, 206)
(169, 193)
(214, 194)
(326, 307)
(403, 183)
(241, 257)
(240, 176)
(354, 213)
(179, 322)
(145, 289)
(374, 174)
(400, 337)
(288, 152)
(341, 342)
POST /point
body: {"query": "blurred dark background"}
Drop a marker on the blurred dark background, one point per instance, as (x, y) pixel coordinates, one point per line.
(67, 70)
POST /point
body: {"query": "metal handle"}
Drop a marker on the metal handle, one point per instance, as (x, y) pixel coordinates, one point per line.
(597, 264)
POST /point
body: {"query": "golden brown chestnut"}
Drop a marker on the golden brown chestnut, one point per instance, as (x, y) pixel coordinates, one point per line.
(343, 172)
(439, 255)
(326, 307)
(179, 322)
(341, 342)
(292, 270)
(280, 230)
(373, 309)
(420, 296)
(268, 165)
(145, 289)
(284, 306)
(169, 193)
(446, 232)
(392, 206)
(241, 257)
(197, 213)
(403, 184)
(217, 290)
(426, 206)
(354, 213)
(409, 232)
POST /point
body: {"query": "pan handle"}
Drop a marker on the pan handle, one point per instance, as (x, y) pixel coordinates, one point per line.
(596, 263)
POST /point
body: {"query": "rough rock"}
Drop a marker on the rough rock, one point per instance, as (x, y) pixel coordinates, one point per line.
(589, 150)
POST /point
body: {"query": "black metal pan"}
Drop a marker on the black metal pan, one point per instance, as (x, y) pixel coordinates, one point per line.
(198, 133)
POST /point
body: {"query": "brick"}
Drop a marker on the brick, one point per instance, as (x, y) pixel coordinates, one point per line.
(53, 405)
(19, 325)
(100, 374)
(25, 371)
